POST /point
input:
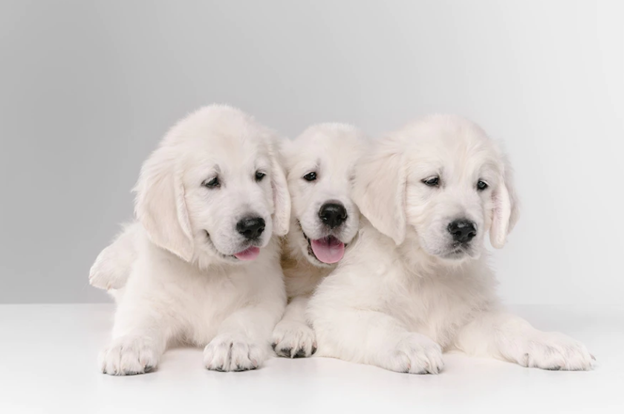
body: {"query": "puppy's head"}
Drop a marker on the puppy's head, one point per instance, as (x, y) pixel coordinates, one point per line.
(214, 189)
(320, 164)
(440, 182)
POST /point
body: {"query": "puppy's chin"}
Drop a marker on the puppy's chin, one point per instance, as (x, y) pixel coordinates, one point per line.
(458, 256)
(450, 253)
(207, 258)
(209, 253)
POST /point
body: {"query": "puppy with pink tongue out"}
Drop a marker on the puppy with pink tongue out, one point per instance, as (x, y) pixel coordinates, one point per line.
(324, 223)
(328, 249)
(201, 263)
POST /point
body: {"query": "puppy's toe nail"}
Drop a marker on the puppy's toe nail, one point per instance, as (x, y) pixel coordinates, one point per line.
(285, 352)
(525, 360)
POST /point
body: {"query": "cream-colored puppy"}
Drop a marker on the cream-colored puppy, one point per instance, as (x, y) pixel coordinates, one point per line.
(320, 167)
(203, 262)
(417, 281)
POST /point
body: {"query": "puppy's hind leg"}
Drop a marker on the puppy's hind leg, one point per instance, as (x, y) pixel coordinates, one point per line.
(113, 265)
(292, 336)
(511, 338)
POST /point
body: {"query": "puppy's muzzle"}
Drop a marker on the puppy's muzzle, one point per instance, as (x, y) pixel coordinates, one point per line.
(462, 230)
(332, 214)
(251, 228)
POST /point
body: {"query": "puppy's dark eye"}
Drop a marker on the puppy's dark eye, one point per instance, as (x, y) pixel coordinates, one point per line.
(311, 176)
(432, 181)
(212, 183)
(259, 176)
(482, 185)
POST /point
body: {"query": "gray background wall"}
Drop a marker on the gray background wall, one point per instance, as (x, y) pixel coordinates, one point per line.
(88, 88)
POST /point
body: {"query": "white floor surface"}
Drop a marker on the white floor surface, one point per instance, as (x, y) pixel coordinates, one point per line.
(48, 365)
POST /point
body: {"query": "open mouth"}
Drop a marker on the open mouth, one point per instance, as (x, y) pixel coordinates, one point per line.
(328, 250)
(250, 253)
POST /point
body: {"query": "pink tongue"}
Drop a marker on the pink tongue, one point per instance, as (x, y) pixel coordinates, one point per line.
(328, 249)
(248, 254)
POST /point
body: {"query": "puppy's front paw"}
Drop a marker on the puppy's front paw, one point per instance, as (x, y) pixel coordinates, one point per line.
(234, 353)
(128, 356)
(293, 340)
(415, 354)
(552, 351)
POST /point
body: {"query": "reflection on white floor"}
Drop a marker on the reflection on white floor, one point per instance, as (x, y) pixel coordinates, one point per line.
(48, 364)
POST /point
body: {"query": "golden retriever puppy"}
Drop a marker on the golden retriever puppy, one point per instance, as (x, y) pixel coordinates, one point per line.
(325, 221)
(202, 263)
(417, 281)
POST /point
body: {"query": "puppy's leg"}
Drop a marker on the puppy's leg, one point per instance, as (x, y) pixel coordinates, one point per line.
(113, 265)
(242, 342)
(508, 337)
(293, 337)
(140, 336)
(243, 339)
(375, 338)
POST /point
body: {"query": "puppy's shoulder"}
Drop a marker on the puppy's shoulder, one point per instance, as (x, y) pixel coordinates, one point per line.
(370, 248)
(366, 270)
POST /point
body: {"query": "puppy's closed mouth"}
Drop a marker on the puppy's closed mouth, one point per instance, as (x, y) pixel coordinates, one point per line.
(458, 251)
(248, 254)
(328, 250)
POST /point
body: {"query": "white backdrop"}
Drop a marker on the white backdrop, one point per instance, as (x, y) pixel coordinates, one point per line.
(88, 89)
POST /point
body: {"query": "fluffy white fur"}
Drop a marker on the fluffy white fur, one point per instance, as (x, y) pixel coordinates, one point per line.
(174, 272)
(331, 151)
(406, 291)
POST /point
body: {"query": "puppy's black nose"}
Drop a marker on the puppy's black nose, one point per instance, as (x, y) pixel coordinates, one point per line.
(462, 230)
(250, 227)
(333, 214)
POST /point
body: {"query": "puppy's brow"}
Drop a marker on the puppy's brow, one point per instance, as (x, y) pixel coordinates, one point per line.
(429, 170)
(310, 167)
(262, 164)
(490, 167)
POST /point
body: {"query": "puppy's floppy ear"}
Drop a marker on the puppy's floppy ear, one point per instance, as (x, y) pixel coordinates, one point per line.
(505, 207)
(160, 205)
(379, 189)
(281, 196)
